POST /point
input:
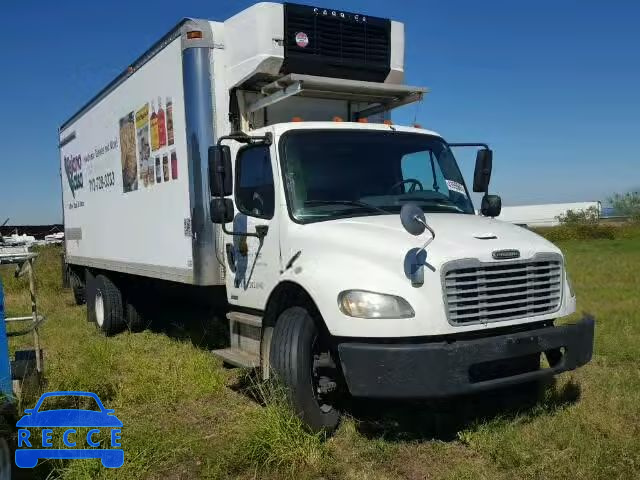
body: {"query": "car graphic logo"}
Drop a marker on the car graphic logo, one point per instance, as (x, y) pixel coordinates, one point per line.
(28, 452)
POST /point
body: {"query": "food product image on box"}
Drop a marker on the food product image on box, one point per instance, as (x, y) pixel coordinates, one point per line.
(144, 148)
(162, 126)
(174, 165)
(169, 121)
(128, 153)
(151, 172)
(158, 170)
(154, 128)
(165, 167)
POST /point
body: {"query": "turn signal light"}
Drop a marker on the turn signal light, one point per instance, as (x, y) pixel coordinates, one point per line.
(296, 119)
(337, 119)
(363, 120)
(388, 122)
(194, 34)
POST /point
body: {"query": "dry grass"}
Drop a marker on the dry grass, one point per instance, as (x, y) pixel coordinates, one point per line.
(185, 416)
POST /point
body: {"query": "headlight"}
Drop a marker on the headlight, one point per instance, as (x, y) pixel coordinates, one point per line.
(571, 293)
(362, 304)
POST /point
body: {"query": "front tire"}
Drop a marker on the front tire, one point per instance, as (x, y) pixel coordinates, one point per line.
(109, 314)
(299, 360)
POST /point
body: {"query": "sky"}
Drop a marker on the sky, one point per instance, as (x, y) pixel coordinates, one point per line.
(552, 85)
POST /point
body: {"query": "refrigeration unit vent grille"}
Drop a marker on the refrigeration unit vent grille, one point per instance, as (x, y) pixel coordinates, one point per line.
(336, 44)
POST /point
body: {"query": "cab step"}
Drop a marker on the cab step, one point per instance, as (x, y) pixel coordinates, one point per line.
(238, 358)
(245, 333)
(245, 318)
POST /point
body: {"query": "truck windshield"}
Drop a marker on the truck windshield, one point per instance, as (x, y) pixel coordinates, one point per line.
(346, 173)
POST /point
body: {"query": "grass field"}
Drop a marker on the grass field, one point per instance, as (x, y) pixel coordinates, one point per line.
(185, 416)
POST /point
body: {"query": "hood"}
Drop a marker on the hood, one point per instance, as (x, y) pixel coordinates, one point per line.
(457, 236)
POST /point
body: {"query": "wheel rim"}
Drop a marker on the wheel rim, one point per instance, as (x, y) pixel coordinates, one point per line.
(5, 460)
(324, 375)
(99, 306)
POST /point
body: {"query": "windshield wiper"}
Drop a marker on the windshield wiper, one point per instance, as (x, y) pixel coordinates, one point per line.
(436, 202)
(354, 203)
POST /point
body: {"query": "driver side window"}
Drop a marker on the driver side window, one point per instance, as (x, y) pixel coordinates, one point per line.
(421, 166)
(254, 192)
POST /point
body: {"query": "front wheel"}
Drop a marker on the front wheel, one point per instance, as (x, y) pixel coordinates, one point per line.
(301, 360)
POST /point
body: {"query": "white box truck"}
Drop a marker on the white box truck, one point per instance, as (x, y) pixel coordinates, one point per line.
(255, 158)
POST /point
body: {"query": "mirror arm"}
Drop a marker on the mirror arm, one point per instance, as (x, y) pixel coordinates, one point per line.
(259, 233)
(431, 231)
(483, 145)
(242, 137)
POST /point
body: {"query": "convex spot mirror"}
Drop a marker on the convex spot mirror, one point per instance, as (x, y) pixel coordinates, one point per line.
(412, 218)
(482, 173)
(221, 210)
(491, 205)
(220, 173)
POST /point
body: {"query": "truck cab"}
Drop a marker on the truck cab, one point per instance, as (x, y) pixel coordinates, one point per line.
(356, 263)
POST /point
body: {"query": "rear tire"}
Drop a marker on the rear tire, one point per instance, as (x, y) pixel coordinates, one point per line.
(109, 313)
(90, 294)
(136, 319)
(78, 288)
(294, 353)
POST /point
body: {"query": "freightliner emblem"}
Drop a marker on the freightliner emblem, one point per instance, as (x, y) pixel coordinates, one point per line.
(505, 254)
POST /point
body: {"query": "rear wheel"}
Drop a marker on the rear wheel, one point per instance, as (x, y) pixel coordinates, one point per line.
(109, 313)
(90, 294)
(78, 287)
(301, 359)
(135, 317)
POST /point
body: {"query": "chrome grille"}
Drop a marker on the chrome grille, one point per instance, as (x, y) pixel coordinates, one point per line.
(477, 292)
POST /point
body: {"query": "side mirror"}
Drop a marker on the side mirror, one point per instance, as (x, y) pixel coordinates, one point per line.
(220, 172)
(482, 173)
(412, 218)
(221, 210)
(491, 205)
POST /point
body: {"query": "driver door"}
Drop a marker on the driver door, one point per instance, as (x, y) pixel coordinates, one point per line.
(253, 264)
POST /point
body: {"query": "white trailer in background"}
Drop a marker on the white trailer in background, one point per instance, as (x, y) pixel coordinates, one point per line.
(231, 159)
(543, 215)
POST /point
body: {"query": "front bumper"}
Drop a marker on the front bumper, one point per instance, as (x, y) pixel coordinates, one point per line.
(446, 368)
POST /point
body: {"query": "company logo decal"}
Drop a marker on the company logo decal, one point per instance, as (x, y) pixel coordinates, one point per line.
(302, 40)
(505, 254)
(69, 433)
(73, 169)
(342, 15)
